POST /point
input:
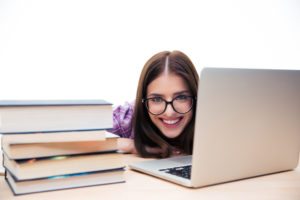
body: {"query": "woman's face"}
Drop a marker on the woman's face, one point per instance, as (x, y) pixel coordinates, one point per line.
(169, 86)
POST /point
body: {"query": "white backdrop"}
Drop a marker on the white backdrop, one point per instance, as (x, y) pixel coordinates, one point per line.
(88, 49)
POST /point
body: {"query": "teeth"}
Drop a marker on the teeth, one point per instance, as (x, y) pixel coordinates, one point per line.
(171, 121)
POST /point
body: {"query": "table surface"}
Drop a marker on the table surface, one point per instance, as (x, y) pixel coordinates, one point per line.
(140, 186)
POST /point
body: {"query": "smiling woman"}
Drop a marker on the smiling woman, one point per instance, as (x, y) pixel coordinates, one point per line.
(161, 121)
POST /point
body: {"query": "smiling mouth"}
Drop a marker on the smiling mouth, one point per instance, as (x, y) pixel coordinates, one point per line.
(171, 123)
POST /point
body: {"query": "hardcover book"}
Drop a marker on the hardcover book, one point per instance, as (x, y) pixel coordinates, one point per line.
(1, 162)
(25, 146)
(54, 115)
(59, 165)
(65, 181)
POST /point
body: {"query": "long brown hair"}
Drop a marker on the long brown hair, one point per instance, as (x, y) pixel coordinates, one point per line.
(146, 133)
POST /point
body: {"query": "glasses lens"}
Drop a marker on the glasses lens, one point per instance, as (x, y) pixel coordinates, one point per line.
(183, 104)
(156, 105)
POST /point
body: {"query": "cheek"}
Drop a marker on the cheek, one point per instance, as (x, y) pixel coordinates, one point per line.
(153, 119)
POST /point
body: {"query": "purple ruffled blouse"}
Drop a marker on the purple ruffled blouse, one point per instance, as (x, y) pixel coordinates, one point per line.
(122, 117)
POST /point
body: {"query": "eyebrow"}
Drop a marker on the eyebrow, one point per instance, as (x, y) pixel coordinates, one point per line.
(182, 92)
(175, 94)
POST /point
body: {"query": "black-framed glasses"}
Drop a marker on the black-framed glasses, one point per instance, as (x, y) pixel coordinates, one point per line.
(157, 105)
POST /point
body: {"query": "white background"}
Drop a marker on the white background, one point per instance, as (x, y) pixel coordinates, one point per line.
(71, 49)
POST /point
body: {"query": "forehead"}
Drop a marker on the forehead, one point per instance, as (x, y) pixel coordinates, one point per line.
(167, 84)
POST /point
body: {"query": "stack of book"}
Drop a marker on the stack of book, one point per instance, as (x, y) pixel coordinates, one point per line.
(53, 145)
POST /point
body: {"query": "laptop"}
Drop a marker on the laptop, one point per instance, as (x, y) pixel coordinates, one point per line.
(247, 125)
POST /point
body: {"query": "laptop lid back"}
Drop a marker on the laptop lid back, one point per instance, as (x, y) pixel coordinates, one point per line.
(247, 124)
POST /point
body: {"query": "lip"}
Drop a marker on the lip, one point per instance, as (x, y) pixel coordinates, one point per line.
(171, 123)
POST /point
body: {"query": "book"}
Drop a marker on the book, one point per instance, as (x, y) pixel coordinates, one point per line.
(65, 182)
(1, 160)
(54, 115)
(25, 146)
(59, 165)
(69, 136)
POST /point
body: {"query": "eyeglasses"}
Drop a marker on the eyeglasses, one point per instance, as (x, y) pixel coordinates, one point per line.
(181, 104)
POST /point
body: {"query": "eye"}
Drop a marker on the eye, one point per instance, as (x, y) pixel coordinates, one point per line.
(182, 98)
(156, 100)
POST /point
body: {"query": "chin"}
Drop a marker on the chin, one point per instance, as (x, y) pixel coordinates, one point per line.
(171, 135)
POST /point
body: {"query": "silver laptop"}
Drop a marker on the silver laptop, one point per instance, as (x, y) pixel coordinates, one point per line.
(247, 124)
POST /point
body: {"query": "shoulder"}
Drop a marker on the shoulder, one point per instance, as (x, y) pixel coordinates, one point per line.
(122, 120)
(124, 111)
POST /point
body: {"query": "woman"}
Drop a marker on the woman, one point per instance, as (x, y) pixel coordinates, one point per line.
(161, 121)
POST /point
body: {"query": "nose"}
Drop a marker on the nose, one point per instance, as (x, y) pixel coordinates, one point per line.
(169, 110)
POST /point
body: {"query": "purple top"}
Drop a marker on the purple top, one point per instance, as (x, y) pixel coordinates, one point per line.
(122, 117)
